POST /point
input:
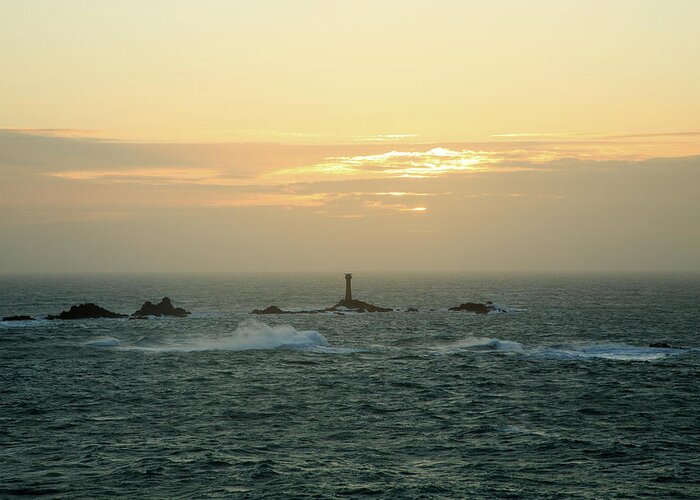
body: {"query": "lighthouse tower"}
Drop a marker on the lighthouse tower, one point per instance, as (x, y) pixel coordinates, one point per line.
(348, 287)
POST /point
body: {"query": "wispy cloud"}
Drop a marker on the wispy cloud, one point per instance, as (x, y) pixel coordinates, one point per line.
(596, 135)
(69, 133)
(186, 175)
(393, 206)
(272, 200)
(533, 135)
(385, 138)
(271, 135)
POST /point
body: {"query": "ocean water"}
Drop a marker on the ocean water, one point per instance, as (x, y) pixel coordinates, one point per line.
(558, 398)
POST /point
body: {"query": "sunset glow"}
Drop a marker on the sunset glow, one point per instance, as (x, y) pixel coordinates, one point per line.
(319, 121)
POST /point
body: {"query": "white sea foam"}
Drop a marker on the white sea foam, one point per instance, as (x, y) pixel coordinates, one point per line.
(249, 335)
(617, 352)
(498, 309)
(104, 342)
(479, 344)
(11, 325)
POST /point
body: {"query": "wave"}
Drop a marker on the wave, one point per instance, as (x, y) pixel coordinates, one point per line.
(479, 344)
(617, 352)
(104, 342)
(249, 335)
(16, 325)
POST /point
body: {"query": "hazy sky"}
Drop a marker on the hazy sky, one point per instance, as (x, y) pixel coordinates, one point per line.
(348, 136)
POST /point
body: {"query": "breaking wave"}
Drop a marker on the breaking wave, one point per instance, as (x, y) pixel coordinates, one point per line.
(479, 344)
(104, 342)
(618, 352)
(249, 335)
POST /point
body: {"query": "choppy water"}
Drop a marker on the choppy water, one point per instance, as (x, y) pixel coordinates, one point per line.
(558, 398)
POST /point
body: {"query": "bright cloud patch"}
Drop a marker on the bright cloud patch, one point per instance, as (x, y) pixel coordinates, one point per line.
(416, 164)
(398, 164)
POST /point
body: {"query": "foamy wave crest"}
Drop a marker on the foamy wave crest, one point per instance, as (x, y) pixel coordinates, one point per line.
(104, 342)
(479, 344)
(617, 352)
(249, 335)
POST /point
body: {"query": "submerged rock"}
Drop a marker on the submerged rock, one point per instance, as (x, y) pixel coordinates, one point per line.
(163, 308)
(477, 308)
(86, 311)
(18, 318)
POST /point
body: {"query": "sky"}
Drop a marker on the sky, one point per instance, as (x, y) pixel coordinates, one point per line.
(436, 136)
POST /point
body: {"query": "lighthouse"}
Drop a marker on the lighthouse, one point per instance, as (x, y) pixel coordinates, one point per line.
(348, 287)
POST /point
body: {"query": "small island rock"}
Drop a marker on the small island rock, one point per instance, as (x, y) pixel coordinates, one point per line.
(271, 310)
(478, 308)
(357, 306)
(163, 308)
(86, 311)
(18, 318)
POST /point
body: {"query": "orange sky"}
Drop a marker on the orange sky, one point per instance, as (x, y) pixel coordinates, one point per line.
(314, 135)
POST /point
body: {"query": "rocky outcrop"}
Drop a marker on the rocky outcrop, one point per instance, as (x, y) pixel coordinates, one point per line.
(663, 345)
(271, 310)
(348, 304)
(86, 311)
(163, 308)
(478, 308)
(357, 306)
(340, 307)
(18, 318)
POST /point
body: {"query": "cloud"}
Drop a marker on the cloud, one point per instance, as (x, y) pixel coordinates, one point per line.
(345, 181)
(142, 175)
(595, 135)
(272, 200)
(393, 206)
(385, 138)
(518, 135)
(397, 164)
(70, 133)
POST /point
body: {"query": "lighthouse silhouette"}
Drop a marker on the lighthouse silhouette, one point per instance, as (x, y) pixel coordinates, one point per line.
(348, 287)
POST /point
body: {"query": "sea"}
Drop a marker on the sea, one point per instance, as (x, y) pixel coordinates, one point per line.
(558, 397)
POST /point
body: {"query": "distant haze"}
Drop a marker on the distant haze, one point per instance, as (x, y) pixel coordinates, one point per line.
(347, 136)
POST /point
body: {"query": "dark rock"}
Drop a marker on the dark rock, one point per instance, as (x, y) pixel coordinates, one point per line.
(86, 311)
(477, 307)
(271, 310)
(340, 307)
(164, 308)
(358, 306)
(347, 304)
(663, 345)
(411, 310)
(18, 318)
(471, 307)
